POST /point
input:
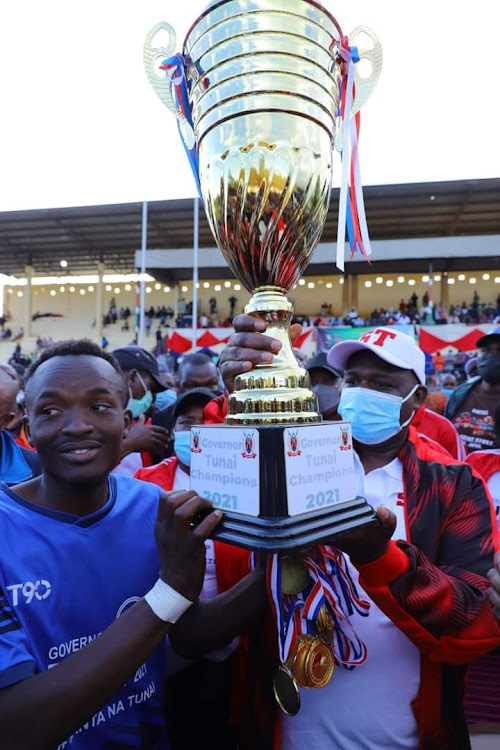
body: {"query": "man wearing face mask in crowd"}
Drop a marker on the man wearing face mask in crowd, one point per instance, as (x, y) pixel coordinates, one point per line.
(423, 567)
(325, 382)
(471, 406)
(204, 683)
(146, 443)
(168, 397)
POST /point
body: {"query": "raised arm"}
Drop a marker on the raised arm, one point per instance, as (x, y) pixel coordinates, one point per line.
(441, 603)
(213, 623)
(58, 701)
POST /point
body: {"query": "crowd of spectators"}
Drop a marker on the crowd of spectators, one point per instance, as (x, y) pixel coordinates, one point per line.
(165, 395)
(413, 311)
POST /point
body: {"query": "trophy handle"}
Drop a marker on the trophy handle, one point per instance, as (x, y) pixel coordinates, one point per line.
(162, 85)
(365, 85)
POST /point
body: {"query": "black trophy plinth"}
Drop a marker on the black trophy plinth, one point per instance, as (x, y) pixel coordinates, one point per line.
(280, 519)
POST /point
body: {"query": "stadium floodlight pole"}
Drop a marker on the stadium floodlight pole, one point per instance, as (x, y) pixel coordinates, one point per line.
(142, 280)
(196, 217)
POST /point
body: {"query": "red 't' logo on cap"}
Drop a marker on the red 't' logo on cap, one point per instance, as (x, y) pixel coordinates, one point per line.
(381, 337)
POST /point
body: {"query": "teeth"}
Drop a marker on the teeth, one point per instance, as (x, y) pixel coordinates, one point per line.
(81, 450)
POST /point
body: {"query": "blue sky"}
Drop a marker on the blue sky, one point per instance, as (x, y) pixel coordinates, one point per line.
(81, 126)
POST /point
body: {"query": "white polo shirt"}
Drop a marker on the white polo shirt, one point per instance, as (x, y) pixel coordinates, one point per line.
(367, 708)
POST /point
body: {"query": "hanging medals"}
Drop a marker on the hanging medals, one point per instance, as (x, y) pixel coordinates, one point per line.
(294, 575)
(325, 625)
(312, 600)
(313, 663)
(286, 691)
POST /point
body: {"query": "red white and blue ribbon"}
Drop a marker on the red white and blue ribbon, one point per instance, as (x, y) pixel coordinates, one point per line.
(285, 608)
(176, 67)
(351, 204)
(330, 586)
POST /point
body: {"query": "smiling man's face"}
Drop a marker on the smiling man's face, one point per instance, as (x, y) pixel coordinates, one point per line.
(76, 417)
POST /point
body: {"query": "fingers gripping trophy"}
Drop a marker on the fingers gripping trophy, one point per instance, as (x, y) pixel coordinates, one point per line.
(262, 91)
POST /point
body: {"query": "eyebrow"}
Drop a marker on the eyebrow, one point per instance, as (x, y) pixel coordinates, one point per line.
(91, 392)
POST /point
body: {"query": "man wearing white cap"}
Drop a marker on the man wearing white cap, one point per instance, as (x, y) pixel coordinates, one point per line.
(423, 567)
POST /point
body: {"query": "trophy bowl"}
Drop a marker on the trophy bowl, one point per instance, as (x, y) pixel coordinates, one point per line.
(257, 94)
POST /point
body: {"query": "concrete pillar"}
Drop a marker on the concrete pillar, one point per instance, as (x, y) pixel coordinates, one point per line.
(346, 294)
(354, 291)
(445, 292)
(28, 301)
(176, 302)
(99, 310)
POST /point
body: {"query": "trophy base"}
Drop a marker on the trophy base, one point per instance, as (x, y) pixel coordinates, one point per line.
(281, 487)
(284, 534)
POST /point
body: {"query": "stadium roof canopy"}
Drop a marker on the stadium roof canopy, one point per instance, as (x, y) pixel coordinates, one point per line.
(84, 236)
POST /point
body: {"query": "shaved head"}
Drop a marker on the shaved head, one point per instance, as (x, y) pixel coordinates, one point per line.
(8, 391)
(10, 371)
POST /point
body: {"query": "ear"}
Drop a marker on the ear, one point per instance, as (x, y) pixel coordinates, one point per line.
(419, 396)
(127, 422)
(27, 430)
(6, 419)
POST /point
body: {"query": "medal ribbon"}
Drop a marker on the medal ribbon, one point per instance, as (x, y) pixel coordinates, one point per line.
(334, 564)
(349, 649)
(175, 68)
(351, 202)
(297, 614)
(286, 609)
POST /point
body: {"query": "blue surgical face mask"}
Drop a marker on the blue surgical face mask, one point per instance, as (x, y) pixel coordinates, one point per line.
(182, 446)
(140, 406)
(447, 391)
(165, 398)
(374, 416)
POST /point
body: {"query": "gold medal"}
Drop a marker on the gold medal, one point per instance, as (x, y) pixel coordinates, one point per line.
(313, 663)
(325, 625)
(286, 691)
(294, 575)
(320, 664)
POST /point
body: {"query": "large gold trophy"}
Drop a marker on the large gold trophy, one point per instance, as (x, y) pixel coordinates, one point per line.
(256, 93)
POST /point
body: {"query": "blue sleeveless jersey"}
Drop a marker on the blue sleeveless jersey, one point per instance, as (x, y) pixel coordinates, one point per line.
(63, 580)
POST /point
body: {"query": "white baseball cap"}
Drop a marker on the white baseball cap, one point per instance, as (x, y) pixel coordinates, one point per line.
(389, 344)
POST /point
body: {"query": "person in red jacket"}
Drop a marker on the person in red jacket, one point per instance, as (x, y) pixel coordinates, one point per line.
(482, 697)
(441, 430)
(423, 568)
(206, 682)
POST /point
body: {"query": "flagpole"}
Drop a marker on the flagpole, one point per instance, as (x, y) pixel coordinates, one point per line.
(195, 270)
(142, 279)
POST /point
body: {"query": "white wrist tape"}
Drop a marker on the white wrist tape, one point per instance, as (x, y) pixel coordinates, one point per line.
(166, 602)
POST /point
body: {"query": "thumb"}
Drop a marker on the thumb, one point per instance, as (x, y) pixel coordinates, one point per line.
(295, 331)
(387, 520)
(141, 419)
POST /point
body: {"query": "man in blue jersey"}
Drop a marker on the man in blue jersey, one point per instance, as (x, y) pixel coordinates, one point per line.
(82, 621)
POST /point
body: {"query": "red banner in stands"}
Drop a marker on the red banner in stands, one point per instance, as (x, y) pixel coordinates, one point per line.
(303, 336)
(431, 343)
(179, 344)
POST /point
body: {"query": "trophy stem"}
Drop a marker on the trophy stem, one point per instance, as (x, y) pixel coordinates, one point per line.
(278, 392)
